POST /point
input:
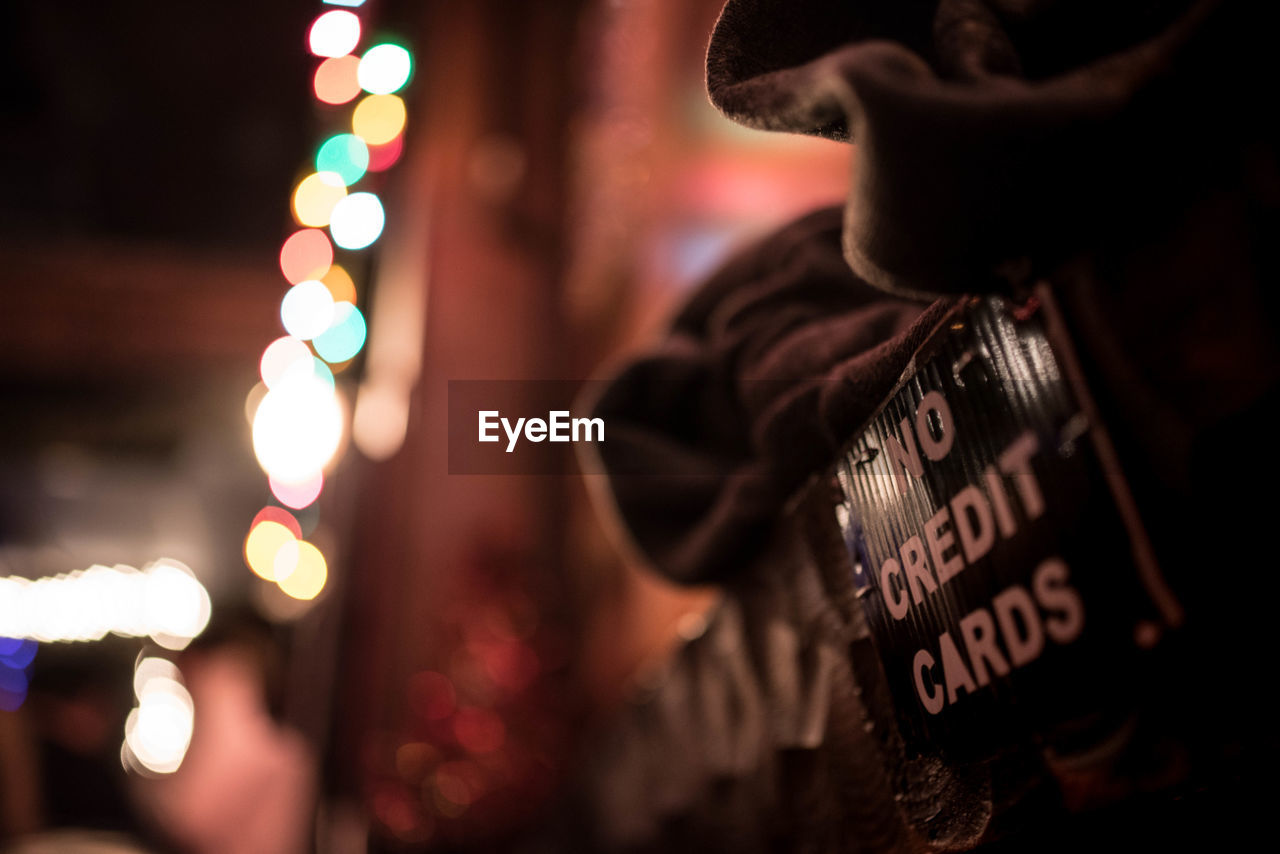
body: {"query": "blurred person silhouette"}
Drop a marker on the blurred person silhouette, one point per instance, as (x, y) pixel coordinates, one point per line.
(248, 783)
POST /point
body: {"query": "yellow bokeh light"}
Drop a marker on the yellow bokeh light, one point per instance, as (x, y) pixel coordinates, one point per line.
(378, 119)
(263, 544)
(315, 197)
(286, 561)
(309, 574)
(339, 283)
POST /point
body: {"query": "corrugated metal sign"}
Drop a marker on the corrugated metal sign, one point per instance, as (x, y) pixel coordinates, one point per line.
(991, 547)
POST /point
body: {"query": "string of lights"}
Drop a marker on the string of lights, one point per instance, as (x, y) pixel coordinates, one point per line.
(164, 602)
(299, 410)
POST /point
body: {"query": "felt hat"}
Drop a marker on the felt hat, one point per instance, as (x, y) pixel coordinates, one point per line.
(989, 132)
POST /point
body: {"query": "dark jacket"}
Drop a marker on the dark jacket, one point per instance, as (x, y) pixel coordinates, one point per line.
(1119, 154)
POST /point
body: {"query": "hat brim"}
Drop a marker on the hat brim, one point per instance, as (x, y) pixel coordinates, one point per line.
(767, 57)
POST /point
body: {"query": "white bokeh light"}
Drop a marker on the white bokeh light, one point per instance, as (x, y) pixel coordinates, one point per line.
(151, 667)
(334, 33)
(279, 356)
(298, 427)
(307, 309)
(357, 221)
(177, 607)
(384, 69)
(158, 731)
(165, 601)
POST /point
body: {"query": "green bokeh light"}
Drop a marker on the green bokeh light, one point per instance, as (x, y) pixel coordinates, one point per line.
(345, 154)
(345, 336)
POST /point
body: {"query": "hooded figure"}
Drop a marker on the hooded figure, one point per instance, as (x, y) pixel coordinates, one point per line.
(1118, 154)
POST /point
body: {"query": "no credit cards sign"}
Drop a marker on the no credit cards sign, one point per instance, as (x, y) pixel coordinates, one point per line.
(991, 555)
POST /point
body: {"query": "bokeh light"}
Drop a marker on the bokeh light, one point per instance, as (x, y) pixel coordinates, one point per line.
(309, 573)
(345, 154)
(252, 399)
(158, 730)
(177, 607)
(165, 601)
(378, 119)
(13, 688)
(297, 495)
(296, 412)
(16, 656)
(458, 784)
(310, 368)
(323, 372)
(414, 760)
(357, 221)
(334, 34)
(479, 730)
(263, 544)
(384, 69)
(153, 667)
(286, 560)
(278, 514)
(297, 427)
(344, 338)
(337, 80)
(307, 309)
(381, 418)
(315, 197)
(16, 653)
(307, 254)
(383, 157)
(279, 356)
(340, 284)
(431, 695)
